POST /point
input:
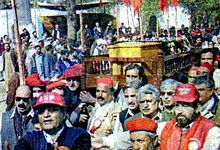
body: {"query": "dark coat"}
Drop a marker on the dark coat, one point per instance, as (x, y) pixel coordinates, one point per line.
(73, 138)
(8, 132)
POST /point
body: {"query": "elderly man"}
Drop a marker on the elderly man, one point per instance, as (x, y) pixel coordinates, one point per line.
(167, 90)
(17, 121)
(55, 134)
(208, 99)
(143, 133)
(189, 129)
(101, 121)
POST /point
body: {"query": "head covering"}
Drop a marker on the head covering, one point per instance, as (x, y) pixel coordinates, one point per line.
(141, 124)
(50, 98)
(208, 66)
(186, 93)
(105, 81)
(194, 68)
(55, 84)
(218, 57)
(73, 71)
(34, 80)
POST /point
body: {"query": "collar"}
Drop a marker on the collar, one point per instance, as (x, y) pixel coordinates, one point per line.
(49, 138)
(31, 113)
(209, 106)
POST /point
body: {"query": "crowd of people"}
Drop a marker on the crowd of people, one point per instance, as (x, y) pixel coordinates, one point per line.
(51, 111)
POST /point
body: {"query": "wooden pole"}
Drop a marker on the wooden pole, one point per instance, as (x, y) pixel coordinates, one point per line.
(18, 45)
(82, 31)
(176, 21)
(141, 26)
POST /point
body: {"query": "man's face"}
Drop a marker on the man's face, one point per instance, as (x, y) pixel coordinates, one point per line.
(218, 40)
(58, 90)
(132, 74)
(22, 104)
(73, 84)
(130, 97)
(192, 74)
(140, 140)
(167, 95)
(50, 117)
(7, 47)
(204, 92)
(36, 91)
(207, 57)
(184, 113)
(148, 104)
(103, 94)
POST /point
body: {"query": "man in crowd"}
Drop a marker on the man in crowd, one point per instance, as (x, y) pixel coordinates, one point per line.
(189, 129)
(101, 121)
(193, 73)
(10, 64)
(207, 55)
(143, 133)
(55, 134)
(208, 99)
(167, 90)
(16, 122)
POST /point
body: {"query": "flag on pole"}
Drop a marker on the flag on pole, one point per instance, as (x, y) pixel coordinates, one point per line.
(174, 3)
(127, 2)
(100, 2)
(163, 5)
(136, 5)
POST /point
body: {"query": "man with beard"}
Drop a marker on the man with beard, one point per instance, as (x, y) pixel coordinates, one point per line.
(16, 122)
(50, 108)
(189, 129)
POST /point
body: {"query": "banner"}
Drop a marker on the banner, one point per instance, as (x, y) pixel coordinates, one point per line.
(127, 2)
(174, 3)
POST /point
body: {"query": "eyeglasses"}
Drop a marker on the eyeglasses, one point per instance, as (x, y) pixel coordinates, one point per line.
(50, 110)
(24, 99)
(168, 93)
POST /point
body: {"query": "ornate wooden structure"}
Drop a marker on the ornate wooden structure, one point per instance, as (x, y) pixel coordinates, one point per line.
(149, 54)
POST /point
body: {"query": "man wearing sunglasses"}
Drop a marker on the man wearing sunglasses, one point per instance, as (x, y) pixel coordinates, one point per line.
(50, 108)
(18, 121)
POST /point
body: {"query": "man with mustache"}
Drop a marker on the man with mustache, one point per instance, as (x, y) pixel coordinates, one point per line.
(16, 122)
(55, 135)
(189, 129)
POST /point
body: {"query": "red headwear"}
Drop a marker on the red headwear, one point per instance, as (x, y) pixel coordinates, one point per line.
(50, 98)
(105, 81)
(208, 66)
(186, 93)
(141, 124)
(73, 71)
(34, 80)
(218, 57)
(55, 84)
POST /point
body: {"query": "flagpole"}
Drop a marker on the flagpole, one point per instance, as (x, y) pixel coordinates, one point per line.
(18, 43)
(176, 21)
(141, 26)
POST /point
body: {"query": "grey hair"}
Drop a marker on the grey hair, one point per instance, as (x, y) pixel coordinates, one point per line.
(148, 89)
(135, 83)
(169, 83)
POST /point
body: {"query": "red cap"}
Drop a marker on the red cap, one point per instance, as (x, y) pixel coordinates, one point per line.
(73, 71)
(55, 84)
(105, 81)
(50, 98)
(208, 66)
(194, 68)
(186, 93)
(218, 57)
(34, 80)
(141, 124)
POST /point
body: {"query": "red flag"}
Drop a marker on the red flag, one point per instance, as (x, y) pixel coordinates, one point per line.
(100, 2)
(127, 2)
(174, 3)
(163, 5)
(136, 5)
